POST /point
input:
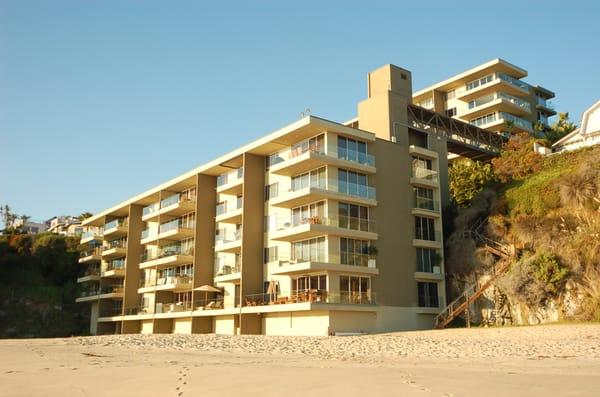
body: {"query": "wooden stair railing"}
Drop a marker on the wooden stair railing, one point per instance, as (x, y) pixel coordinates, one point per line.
(474, 291)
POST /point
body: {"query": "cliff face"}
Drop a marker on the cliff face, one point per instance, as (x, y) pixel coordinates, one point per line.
(552, 218)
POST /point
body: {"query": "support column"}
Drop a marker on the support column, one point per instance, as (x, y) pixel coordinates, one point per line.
(252, 238)
(131, 298)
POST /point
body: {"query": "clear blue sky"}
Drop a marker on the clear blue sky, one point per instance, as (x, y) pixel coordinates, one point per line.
(101, 100)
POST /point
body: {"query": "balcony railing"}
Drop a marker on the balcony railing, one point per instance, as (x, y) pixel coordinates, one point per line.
(115, 224)
(174, 280)
(175, 224)
(226, 236)
(342, 221)
(222, 208)
(511, 80)
(356, 157)
(310, 296)
(500, 95)
(230, 177)
(111, 311)
(150, 209)
(115, 244)
(224, 269)
(519, 122)
(92, 271)
(113, 289)
(428, 267)
(91, 234)
(426, 203)
(173, 307)
(424, 173)
(117, 264)
(90, 252)
(321, 255)
(356, 190)
(165, 251)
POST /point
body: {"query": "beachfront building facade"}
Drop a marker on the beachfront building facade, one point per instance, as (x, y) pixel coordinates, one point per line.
(491, 96)
(318, 228)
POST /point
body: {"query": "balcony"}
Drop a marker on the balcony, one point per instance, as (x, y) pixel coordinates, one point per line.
(174, 205)
(114, 249)
(299, 195)
(176, 230)
(231, 182)
(501, 120)
(176, 283)
(545, 106)
(110, 292)
(321, 261)
(228, 241)
(490, 84)
(424, 177)
(115, 228)
(303, 159)
(426, 206)
(172, 307)
(312, 296)
(92, 274)
(230, 215)
(304, 228)
(95, 235)
(497, 101)
(90, 255)
(227, 272)
(167, 256)
(115, 268)
(428, 240)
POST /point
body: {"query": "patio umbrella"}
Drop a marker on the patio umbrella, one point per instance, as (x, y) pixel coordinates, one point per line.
(206, 289)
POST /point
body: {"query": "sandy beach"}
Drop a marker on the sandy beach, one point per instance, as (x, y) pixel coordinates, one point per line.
(524, 361)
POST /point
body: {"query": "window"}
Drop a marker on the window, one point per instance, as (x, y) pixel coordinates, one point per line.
(355, 289)
(353, 183)
(424, 228)
(426, 103)
(424, 198)
(451, 112)
(271, 254)
(488, 118)
(271, 191)
(352, 216)
(354, 252)
(311, 213)
(427, 258)
(315, 178)
(428, 294)
(451, 94)
(309, 250)
(305, 283)
(479, 82)
(420, 162)
(353, 150)
(273, 159)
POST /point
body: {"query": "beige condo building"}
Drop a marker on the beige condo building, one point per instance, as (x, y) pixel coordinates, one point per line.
(491, 96)
(318, 228)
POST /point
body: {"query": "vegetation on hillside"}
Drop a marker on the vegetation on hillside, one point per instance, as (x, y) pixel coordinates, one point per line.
(549, 207)
(39, 286)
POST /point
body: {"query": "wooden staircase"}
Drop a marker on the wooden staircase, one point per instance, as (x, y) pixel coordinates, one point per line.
(460, 305)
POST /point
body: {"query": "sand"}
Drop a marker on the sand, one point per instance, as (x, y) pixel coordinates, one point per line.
(516, 361)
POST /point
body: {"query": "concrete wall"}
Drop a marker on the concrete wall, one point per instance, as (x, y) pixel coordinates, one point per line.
(313, 323)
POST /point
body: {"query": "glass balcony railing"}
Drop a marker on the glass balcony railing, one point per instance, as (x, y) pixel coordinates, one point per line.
(310, 296)
(117, 264)
(227, 236)
(500, 95)
(175, 224)
(356, 157)
(150, 209)
(115, 244)
(230, 177)
(517, 121)
(114, 224)
(515, 82)
(91, 234)
(342, 221)
(356, 190)
(424, 173)
(223, 208)
(426, 203)
(223, 268)
(165, 251)
(90, 252)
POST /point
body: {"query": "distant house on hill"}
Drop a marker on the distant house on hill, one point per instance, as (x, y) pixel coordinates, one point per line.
(587, 135)
(65, 225)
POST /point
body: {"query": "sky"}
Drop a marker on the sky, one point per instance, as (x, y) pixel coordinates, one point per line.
(102, 100)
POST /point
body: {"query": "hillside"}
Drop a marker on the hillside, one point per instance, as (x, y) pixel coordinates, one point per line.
(38, 278)
(549, 209)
